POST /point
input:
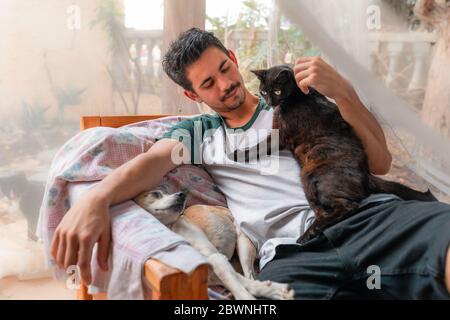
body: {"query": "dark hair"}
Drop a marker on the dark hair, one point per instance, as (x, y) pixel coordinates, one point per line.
(185, 50)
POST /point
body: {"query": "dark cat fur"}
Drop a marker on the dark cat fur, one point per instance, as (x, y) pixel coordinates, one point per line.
(334, 166)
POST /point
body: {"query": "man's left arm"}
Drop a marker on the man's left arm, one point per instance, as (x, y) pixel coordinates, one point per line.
(316, 73)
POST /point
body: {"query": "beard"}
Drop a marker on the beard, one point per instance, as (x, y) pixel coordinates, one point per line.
(236, 100)
(237, 104)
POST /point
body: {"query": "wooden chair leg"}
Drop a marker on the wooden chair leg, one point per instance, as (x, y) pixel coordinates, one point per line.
(82, 293)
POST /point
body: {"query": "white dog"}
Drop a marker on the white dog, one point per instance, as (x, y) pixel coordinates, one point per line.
(211, 231)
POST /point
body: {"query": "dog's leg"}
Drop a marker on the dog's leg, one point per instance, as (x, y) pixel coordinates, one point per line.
(247, 254)
(268, 289)
(220, 264)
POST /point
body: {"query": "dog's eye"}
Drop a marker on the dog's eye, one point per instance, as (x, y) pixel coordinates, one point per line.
(264, 93)
(277, 92)
(157, 194)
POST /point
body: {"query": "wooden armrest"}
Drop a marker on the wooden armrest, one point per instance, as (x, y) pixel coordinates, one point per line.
(166, 283)
(87, 122)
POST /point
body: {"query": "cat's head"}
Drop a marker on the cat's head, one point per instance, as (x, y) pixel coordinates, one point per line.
(277, 84)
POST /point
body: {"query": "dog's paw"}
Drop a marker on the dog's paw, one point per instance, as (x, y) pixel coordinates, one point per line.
(289, 294)
(281, 291)
(274, 290)
(244, 295)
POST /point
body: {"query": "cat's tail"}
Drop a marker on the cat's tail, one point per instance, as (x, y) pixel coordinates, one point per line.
(378, 185)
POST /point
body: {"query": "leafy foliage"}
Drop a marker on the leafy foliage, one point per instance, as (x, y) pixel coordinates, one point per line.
(69, 95)
(108, 16)
(33, 115)
(405, 9)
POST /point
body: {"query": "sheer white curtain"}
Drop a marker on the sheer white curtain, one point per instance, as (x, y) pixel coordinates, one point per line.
(339, 28)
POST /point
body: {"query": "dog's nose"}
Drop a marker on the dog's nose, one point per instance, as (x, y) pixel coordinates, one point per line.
(181, 195)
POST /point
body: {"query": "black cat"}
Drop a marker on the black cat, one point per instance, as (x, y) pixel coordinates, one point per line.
(334, 167)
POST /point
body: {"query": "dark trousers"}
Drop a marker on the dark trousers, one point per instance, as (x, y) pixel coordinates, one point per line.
(391, 250)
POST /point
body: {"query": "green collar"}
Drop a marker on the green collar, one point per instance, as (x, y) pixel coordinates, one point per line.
(261, 104)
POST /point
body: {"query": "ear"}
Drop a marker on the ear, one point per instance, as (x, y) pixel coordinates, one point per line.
(193, 96)
(285, 73)
(261, 74)
(233, 57)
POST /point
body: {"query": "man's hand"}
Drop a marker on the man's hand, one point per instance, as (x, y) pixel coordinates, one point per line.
(88, 221)
(316, 73)
(85, 224)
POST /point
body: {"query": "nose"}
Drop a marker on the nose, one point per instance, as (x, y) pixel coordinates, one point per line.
(270, 102)
(223, 83)
(181, 195)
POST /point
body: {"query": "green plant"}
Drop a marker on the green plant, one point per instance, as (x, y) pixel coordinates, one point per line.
(405, 9)
(33, 115)
(70, 95)
(108, 17)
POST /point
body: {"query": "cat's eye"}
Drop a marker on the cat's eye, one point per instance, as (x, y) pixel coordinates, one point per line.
(277, 92)
(264, 93)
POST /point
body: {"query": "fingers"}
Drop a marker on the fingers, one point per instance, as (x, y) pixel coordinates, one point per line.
(84, 261)
(65, 251)
(103, 249)
(61, 252)
(302, 80)
(304, 59)
(302, 66)
(305, 71)
(54, 245)
(315, 59)
(305, 84)
(71, 252)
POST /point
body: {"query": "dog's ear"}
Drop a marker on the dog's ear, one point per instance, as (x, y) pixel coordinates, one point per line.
(261, 74)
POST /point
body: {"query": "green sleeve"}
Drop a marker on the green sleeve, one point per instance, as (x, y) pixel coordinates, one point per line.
(188, 133)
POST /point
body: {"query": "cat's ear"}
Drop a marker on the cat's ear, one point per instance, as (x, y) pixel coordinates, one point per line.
(285, 73)
(261, 74)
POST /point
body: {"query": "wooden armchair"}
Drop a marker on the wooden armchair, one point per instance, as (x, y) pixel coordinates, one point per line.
(167, 283)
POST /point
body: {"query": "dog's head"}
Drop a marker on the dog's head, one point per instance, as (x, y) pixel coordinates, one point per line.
(163, 206)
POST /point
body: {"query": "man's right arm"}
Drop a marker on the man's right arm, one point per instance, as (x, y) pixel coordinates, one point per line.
(88, 221)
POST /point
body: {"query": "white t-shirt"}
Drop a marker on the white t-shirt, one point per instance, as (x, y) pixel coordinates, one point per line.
(264, 194)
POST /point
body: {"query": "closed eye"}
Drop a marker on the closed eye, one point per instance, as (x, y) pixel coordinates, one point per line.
(157, 194)
(209, 84)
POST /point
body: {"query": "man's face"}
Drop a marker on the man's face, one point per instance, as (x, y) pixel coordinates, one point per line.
(216, 81)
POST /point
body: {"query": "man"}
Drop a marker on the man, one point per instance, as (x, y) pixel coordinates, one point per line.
(403, 243)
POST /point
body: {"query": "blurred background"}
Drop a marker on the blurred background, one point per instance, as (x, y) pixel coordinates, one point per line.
(62, 59)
